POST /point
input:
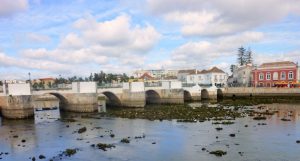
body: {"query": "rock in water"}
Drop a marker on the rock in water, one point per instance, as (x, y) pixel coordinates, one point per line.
(82, 130)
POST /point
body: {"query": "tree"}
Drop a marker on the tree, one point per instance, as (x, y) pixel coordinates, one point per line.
(124, 78)
(41, 85)
(248, 57)
(232, 67)
(35, 85)
(241, 56)
(49, 85)
(91, 77)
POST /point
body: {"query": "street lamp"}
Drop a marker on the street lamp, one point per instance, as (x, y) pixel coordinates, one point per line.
(29, 78)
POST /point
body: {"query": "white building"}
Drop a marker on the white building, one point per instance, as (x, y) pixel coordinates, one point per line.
(157, 74)
(214, 76)
(182, 74)
(242, 76)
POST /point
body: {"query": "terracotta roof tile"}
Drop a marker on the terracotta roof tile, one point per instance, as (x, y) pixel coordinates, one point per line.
(146, 76)
(189, 71)
(46, 79)
(277, 64)
(215, 70)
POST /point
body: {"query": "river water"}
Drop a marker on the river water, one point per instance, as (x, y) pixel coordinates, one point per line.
(166, 140)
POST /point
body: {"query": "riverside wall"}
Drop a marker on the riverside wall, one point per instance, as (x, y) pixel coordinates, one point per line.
(249, 92)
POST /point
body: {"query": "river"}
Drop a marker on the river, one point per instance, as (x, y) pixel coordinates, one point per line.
(164, 140)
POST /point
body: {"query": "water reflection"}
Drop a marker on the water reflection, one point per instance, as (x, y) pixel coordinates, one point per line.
(47, 135)
(46, 115)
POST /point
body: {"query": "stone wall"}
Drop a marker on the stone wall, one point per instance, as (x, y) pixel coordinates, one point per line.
(45, 101)
(133, 99)
(80, 102)
(16, 107)
(260, 92)
(171, 96)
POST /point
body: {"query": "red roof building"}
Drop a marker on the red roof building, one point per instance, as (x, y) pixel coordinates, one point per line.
(146, 76)
(274, 73)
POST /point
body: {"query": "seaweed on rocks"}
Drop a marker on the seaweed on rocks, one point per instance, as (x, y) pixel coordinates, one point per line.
(182, 113)
(70, 152)
(104, 146)
(218, 153)
(259, 118)
(125, 140)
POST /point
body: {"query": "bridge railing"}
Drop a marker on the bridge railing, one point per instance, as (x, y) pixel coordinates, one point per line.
(153, 84)
(188, 84)
(50, 89)
(110, 85)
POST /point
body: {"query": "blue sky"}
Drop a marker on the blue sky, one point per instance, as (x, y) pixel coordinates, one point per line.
(77, 37)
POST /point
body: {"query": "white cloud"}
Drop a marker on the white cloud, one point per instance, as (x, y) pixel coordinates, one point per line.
(8, 61)
(110, 43)
(9, 7)
(117, 32)
(293, 56)
(39, 38)
(217, 17)
(35, 53)
(72, 41)
(202, 54)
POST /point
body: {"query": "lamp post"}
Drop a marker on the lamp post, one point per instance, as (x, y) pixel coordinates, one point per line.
(29, 78)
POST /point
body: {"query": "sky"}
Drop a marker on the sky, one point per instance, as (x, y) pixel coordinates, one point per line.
(49, 38)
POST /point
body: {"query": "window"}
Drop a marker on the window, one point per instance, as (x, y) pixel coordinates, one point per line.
(282, 75)
(291, 75)
(275, 76)
(261, 76)
(268, 76)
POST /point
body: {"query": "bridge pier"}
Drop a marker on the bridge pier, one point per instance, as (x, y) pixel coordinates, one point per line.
(133, 99)
(172, 96)
(16, 107)
(164, 96)
(80, 102)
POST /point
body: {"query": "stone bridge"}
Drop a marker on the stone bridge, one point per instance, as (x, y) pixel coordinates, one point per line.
(19, 101)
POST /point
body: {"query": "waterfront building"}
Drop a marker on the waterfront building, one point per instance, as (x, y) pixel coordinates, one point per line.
(275, 73)
(242, 76)
(182, 74)
(171, 74)
(146, 77)
(213, 76)
(47, 82)
(157, 74)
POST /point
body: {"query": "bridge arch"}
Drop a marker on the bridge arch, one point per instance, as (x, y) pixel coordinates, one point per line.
(152, 97)
(204, 94)
(49, 101)
(112, 99)
(219, 94)
(62, 100)
(187, 96)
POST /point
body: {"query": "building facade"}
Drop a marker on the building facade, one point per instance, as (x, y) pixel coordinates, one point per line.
(182, 74)
(157, 74)
(242, 76)
(214, 76)
(274, 73)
